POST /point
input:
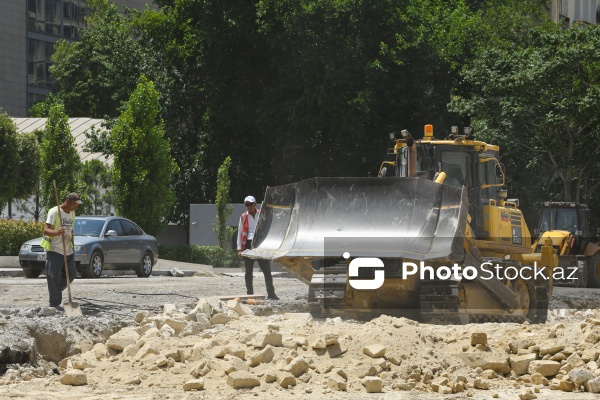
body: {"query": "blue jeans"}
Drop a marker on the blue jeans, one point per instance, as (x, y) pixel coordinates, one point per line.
(56, 277)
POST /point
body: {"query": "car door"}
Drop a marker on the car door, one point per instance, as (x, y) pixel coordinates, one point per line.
(115, 247)
(135, 243)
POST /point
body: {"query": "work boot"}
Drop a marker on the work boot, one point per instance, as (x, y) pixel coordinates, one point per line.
(272, 296)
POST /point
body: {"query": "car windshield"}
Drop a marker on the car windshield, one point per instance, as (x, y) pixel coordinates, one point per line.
(88, 227)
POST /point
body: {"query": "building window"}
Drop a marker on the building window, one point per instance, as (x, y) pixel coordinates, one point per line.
(38, 63)
(63, 18)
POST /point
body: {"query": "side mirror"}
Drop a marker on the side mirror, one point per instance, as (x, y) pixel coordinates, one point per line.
(111, 233)
(383, 172)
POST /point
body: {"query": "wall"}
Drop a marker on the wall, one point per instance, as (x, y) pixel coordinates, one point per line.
(202, 217)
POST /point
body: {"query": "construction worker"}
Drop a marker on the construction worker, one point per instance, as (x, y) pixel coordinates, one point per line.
(246, 229)
(53, 243)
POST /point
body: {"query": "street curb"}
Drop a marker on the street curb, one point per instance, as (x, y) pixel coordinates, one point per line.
(18, 272)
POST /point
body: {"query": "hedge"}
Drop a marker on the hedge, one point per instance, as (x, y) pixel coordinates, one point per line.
(208, 255)
(13, 233)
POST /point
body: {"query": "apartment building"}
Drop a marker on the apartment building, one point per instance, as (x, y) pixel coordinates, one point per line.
(28, 31)
(573, 12)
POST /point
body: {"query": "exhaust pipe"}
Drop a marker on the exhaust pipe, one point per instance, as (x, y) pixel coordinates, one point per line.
(412, 157)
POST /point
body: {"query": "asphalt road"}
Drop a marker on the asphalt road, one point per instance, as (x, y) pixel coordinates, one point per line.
(126, 295)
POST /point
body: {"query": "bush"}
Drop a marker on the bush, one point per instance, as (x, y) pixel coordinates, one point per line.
(208, 255)
(13, 233)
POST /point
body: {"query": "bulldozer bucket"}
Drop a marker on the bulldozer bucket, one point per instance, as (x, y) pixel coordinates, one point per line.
(411, 218)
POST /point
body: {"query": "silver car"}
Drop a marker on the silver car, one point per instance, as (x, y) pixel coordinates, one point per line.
(101, 243)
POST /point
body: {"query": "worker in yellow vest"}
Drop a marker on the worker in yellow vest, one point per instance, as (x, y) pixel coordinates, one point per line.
(52, 242)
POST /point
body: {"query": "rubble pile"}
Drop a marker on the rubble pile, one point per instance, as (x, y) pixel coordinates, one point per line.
(223, 349)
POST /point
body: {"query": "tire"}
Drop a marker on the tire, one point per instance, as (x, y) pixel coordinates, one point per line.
(32, 273)
(144, 269)
(593, 271)
(94, 269)
(534, 296)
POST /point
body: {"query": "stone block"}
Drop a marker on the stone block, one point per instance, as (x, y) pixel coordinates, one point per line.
(194, 384)
(544, 367)
(242, 380)
(74, 377)
(520, 364)
(373, 384)
(478, 338)
(375, 350)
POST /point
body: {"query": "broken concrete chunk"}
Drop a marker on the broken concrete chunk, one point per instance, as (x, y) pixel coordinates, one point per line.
(478, 338)
(521, 344)
(373, 384)
(194, 384)
(527, 394)
(520, 364)
(439, 382)
(242, 380)
(74, 377)
(496, 362)
(177, 272)
(375, 350)
(285, 379)
(219, 319)
(263, 339)
(544, 367)
(336, 382)
(579, 376)
(297, 366)
(593, 385)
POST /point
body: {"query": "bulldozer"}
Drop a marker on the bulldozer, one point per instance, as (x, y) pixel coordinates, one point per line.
(433, 237)
(567, 225)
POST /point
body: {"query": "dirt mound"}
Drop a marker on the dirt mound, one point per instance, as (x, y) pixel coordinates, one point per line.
(223, 350)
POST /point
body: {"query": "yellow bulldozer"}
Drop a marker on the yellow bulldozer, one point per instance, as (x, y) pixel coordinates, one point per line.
(434, 237)
(567, 225)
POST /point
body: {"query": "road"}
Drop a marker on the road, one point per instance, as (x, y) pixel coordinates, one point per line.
(126, 295)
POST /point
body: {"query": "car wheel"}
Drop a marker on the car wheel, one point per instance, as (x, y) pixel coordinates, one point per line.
(32, 272)
(144, 270)
(94, 270)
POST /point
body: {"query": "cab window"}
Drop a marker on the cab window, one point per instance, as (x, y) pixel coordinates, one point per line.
(454, 164)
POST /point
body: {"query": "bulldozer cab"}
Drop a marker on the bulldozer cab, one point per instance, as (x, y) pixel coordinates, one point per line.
(468, 163)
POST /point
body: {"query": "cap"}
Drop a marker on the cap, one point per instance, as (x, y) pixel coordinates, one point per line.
(74, 196)
(249, 199)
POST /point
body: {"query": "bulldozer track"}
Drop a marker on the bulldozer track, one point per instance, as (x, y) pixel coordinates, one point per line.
(439, 300)
(326, 292)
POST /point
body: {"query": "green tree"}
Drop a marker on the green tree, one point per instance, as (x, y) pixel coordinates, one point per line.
(59, 158)
(142, 166)
(224, 232)
(29, 180)
(541, 102)
(95, 178)
(9, 160)
(311, 87)
(99, 72)
(224, 210)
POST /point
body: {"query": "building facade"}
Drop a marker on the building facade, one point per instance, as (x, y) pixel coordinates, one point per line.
(573, 12)
(28, 31)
